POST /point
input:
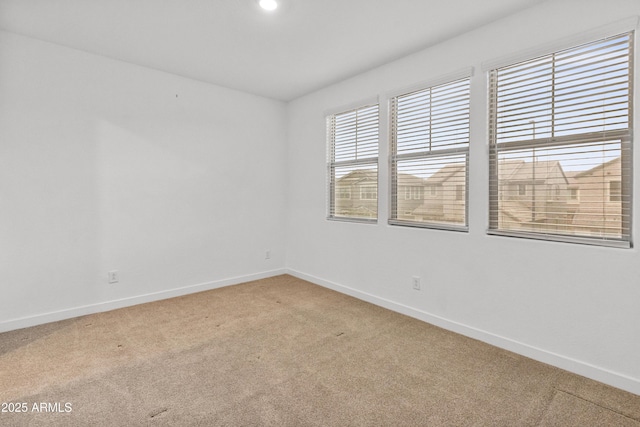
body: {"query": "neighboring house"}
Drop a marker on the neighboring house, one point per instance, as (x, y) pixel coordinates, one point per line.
(534, 197)
(356, 194)
(587, 202)
(444, 196)
(599, 193)
(410, 195)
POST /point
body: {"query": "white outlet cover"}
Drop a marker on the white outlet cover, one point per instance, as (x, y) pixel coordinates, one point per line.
(113, 276)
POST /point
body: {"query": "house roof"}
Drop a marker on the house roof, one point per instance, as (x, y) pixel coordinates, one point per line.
(517, 210)
(601, 166)
(507, 168)
(406, 179)
(519, 170)
(357, 176)
(571, 177)
(445, 173)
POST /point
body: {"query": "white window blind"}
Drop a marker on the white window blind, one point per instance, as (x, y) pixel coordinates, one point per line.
(430, 156)
(560, 145)
(353, 164)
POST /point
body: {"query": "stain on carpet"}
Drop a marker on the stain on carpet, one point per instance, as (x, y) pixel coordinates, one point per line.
(158, 412)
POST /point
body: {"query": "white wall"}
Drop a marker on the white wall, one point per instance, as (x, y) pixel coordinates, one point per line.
(108, 166)
(575, 306)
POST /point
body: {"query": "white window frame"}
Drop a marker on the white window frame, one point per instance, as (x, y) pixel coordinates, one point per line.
(429, 190)
(359, 157)
(623, 136)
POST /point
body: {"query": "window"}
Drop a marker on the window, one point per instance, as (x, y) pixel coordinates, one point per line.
(615, 191)
(368, 192)
(353, 164)
(574, 194)
(561, 123)
(343, 193)
(417, 193)
(429, 152)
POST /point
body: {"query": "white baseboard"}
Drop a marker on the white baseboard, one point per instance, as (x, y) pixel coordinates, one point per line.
(605, 376)
(584, 369)
(39, 319)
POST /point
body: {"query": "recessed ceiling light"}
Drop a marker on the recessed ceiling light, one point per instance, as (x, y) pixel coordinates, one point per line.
(268, 4)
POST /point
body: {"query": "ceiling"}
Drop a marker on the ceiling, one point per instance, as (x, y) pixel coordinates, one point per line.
(302, 46)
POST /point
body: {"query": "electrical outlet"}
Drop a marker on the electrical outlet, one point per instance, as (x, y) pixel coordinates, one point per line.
(267, 255)
(113, 276)
(415, 280)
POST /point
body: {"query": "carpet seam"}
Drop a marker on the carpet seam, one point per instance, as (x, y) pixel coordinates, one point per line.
(547, 404)
(598, 404)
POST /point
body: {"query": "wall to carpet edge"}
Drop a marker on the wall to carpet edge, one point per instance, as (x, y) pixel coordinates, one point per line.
(576, 366)
(105, 165)
(72, 312)
(579, 367)
(571, 303)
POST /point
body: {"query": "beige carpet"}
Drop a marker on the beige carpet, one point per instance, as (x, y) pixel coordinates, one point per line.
(283, 352)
